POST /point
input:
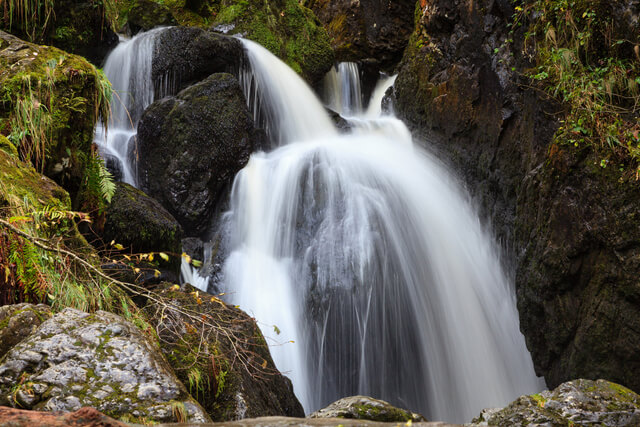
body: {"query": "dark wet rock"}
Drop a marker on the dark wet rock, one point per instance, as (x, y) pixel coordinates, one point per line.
(191, 147)
(366, 408)
(577, 403)
(186, 55)
(367, 29)
(18, 321)
(114, 166)
(77, 359)
(193, 247)
(140, 224)
(569, 224)
(84, 417)
(224, 348)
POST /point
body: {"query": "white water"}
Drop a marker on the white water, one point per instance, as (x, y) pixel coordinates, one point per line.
(128, 68)
(342, 92)
(364, 251)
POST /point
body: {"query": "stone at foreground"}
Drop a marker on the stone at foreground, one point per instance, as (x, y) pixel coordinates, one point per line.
(77, 359)
(366, 408)
(84, 417)
(308, 422)
(574, 403)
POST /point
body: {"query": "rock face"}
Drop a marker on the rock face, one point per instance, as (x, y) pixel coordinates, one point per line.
(141, 224)
(367, 29)
(186, 55)
(225, 351)
(579, 402)
(18, 321)
(366, 408)
(78, 359)
(191, 147)
(85, 417)
(569, 222)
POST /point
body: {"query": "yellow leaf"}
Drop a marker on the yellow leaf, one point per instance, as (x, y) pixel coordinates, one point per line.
(186, 257)
(164, 256)
(118, 246)
(264, 364)
(196, 263)
(150, 257)
(199, 301)
(175, 288)
(137, 270)
(156, 273)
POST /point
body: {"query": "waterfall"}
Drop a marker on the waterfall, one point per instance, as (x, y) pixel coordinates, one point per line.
(365, 252)
(128, 68)
(342, 91)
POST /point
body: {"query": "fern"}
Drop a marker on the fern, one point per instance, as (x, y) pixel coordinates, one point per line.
(107, 186)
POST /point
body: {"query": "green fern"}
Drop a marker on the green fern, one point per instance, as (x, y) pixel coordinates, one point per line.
(107, 186)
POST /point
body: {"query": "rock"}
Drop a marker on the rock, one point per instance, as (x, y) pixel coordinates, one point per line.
(66, 93)
(142, 225)
(289, 30)
(145, 15)
(84, 417)
(79, 359)
(367, 29)
(579, 402)
(366, 408)
(80, 27)
(570, 223)
(191, 147)
(19, 321)
(184, 56)
(193, 247)
(225, 351)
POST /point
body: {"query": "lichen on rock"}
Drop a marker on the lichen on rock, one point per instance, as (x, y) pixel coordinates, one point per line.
(79, 359)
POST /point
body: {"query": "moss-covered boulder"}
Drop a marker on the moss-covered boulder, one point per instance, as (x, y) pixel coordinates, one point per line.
(191, 146)
(575, 403)
(49, 103)
(81, 27)
(78, 359)
(219, 351)
(285, 27)
(18, 321)
(141, 225)
(374, 30)
(144, 15)
(367, 408)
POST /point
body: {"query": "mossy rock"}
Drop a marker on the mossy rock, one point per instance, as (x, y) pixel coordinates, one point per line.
(367, 408)
(18, 321)
(575, 403)
(220, 354)
(77, 359)
(57, 97)
(140, 224)
(82, 27)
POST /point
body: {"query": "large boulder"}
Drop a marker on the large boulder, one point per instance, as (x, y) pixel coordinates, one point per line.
(78, 359)
(49, 103)
(367, 408)
(567, 220)
(81, 27)
(367, 29)
(191, 147)
(220, 352)
(18, 321)
(140, 224)
(184, 56)
(575, 403)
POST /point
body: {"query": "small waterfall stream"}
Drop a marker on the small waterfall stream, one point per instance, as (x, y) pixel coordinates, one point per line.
(364, 251)
(128, 68)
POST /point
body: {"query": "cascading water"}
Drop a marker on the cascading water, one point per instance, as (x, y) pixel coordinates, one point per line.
(342, 90)
(364, 251)
(128, 68)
